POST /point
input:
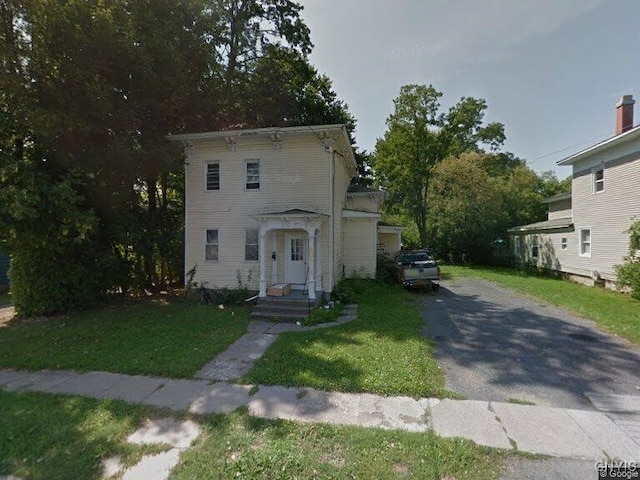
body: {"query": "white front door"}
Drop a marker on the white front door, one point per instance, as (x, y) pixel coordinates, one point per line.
(295, 261)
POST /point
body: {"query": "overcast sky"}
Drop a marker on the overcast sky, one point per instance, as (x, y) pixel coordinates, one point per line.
(550, 70)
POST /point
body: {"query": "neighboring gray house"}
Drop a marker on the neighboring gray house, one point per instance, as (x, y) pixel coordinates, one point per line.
(585, 235)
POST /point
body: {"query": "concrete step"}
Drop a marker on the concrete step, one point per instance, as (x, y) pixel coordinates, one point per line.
(284, 301)
(286, 308)
(285, 317)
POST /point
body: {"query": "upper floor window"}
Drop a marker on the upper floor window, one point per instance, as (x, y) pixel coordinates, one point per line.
(213, 176)
(598, 180)
(563, 243)
(211, 246)
(251, 244)
(252, 168)
(585, 242)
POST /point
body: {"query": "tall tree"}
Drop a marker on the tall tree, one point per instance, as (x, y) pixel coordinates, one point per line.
(243, 31)
(283, 89)
(468, 208)
(550, 185)
(418, 137)
(93, 88)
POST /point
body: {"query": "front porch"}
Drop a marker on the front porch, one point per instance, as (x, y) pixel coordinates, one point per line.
(290, 252)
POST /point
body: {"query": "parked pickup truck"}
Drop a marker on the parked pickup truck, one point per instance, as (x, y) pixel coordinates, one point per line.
(416, 268)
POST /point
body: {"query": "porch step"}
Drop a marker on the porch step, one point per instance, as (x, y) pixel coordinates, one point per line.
(283, 309)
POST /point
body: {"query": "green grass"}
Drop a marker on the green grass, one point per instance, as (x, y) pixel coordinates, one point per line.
(239, 446)
(322, 315)
(49, 437)
(172, 340)
(615, 312)
(381, 352)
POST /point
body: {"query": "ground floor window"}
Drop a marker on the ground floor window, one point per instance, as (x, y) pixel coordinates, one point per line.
(534, 247)
(251, 244)
(585, 242)
(211, 245)
(563, 243)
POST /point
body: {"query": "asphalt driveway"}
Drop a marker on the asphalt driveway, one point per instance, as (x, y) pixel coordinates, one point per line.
(496, 345)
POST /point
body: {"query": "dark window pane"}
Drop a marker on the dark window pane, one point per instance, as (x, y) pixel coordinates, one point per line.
(212, 236)
(212, 252)
(251, 252)
(213, 176)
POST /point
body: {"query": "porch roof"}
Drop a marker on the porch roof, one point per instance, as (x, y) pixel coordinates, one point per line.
(390, 229)
(291, 213)
(555, 224)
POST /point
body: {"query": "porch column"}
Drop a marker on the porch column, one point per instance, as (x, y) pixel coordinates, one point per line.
(263, 263)
(318, 260)
(311, 279)
(274, 261)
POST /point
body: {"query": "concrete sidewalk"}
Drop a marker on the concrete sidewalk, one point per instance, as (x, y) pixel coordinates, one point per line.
(558, 432)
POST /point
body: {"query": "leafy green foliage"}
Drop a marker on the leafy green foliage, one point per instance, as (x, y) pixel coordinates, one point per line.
(385, 268)
(322, 315)
(92, 89)
(465, 203)
(58, 260)
(419, 137)
(629, 272)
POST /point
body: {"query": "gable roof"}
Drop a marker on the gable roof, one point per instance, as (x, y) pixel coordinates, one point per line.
(627, 136)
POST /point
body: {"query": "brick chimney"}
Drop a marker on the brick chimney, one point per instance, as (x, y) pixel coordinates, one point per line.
(624, 114)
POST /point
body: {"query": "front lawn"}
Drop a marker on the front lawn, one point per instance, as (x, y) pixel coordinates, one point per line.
(49, 437)
(239, 446)
(151, 338)
(615, 312)
(381, 352)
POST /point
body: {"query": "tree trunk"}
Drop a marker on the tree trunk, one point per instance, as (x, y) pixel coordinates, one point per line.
(147, 243)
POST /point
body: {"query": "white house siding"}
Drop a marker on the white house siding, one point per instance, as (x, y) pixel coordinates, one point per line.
(551, 255)
(294, 176)
(389, 243)
(364, 201)
(560, 209)
(360, 238)
(608, 213)
(342, 181)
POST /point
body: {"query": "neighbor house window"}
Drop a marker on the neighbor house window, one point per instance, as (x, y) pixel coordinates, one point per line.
(534, 247)
(598, 180)
(251, 244)
(585, 242)
(211, 247)
(213, 176)
(252, 174)
(563, 243)
(517, 248)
